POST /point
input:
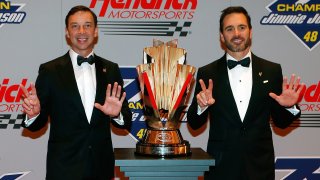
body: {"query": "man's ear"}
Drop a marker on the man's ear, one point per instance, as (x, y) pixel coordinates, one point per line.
(67, 33)
(96, 32)
(221, 37)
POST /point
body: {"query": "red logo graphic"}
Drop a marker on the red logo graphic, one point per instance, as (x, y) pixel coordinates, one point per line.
(144, 4)
(145, 17)
(311, 98)
(10, 95)
(311, 93)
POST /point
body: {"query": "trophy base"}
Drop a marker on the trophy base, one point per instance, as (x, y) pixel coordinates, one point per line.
(163, 143)
(163, 150)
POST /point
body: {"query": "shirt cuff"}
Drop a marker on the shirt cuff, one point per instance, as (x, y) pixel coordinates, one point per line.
(119, 120)
(293, 110)
(200, 111)
(28, 121)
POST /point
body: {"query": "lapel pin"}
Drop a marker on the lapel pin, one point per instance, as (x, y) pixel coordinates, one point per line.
(265, 81)
(104, 70)
(260, 74)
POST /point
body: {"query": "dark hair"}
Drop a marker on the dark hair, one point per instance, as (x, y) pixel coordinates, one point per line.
(234, 9)
(76, 9)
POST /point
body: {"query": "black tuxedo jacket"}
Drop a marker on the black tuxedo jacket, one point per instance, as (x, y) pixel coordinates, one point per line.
(75, 147)
(242, 150)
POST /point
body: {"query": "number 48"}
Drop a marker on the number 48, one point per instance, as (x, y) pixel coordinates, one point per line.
(141, 133)
(311, 36)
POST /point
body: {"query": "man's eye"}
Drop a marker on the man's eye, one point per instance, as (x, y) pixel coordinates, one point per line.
(243, 27)
(229, 29)
(74, 26)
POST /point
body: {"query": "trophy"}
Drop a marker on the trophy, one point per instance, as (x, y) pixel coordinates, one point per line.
(165, 82)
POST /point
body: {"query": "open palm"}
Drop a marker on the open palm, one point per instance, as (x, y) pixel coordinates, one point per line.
(113, 102)
(290, 92)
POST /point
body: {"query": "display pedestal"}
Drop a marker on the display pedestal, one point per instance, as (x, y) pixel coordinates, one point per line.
(138, 167)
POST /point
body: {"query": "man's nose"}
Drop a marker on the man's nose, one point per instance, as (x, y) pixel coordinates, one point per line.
(236, 32)
(81, 30)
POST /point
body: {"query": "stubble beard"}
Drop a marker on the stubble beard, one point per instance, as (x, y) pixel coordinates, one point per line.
(237, 48)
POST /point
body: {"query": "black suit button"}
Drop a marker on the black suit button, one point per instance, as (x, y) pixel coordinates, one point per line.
(89, 146)
(242, 130)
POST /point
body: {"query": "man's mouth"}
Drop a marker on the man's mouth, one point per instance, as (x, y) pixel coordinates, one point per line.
(237, 41)
(82, 40)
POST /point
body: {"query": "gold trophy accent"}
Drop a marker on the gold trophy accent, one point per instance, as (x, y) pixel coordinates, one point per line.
(165, 82)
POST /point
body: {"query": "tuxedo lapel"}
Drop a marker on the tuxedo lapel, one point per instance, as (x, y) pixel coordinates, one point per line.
(101, 78)
(227, 98)
(257, 82)
(67, 78)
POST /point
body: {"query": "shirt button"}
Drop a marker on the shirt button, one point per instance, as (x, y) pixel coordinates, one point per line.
(243, 130)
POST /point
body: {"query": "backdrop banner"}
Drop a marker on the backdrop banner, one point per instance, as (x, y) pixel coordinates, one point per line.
(33, 32)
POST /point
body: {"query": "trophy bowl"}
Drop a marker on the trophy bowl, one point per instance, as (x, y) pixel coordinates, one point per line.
(165, 82)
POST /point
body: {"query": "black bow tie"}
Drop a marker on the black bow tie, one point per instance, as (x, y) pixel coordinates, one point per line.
(81, 59)
(244, 62)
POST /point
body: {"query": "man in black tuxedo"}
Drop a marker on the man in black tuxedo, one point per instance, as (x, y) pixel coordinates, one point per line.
(239, 97)
(81, 93)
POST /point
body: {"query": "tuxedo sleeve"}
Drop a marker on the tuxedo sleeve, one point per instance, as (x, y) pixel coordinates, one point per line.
(281, 117)
(194, 120)
(42, 86)
(125, 110)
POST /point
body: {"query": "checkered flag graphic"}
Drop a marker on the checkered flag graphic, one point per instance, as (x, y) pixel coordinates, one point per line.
(6, 119)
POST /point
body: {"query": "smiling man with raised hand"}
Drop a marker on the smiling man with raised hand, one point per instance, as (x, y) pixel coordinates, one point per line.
(82, 94)
(239, 93)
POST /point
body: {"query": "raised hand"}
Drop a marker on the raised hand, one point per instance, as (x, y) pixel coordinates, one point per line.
(290, 92)
(204, 97)
(113, 102)
(31, 103)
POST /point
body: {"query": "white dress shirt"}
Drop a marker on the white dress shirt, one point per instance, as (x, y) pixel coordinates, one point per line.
(85, 75)
(240, 79)
(86, 81)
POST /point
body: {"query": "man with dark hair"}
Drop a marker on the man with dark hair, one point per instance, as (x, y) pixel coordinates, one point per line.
(239, 93)
(81, 93)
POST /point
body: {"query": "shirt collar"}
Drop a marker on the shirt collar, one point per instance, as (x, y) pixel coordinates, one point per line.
(74, 55)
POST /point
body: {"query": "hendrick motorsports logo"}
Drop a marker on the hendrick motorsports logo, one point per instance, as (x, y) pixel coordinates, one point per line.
(145, 17)
(10, 13)
(301, 17)
(10, 103)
